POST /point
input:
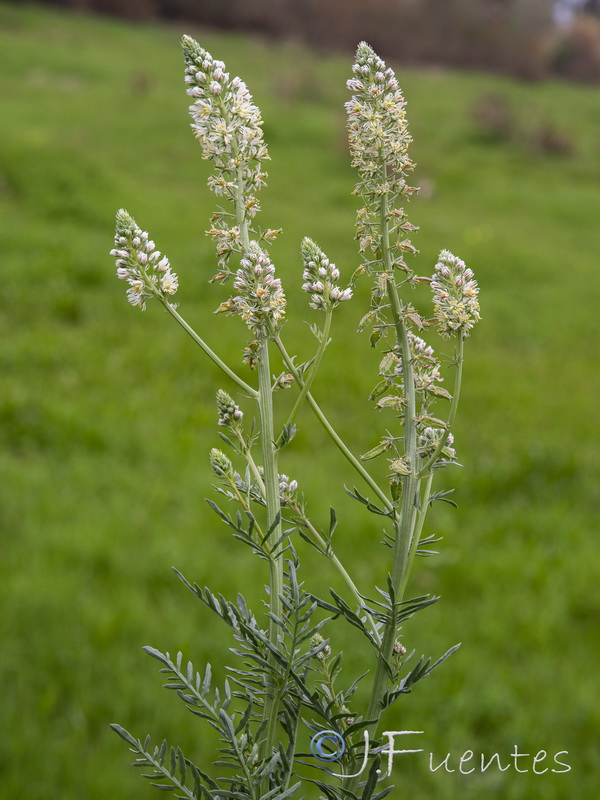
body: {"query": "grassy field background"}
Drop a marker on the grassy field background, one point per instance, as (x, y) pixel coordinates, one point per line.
(107, 414)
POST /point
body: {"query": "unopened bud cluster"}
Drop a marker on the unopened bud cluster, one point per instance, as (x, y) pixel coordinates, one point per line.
(287, 488)
(220, 464)
(455, 293)
(321, 277)
(229, 412)
(138, 261)
(325, 652)
(261, 301)
(284, 381)
(399, 649)
(429, 439)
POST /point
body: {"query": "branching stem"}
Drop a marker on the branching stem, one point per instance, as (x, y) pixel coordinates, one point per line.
(271, 484)
(405, 521)
(330, 430)
(209, 352)
(460, 342)
(324, 341)
(326, 548)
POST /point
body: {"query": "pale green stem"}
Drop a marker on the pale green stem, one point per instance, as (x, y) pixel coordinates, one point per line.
(254, 469)
(405, 523)
(314, 368)
(424, 506)
(271, 484)
(250, 461)
(240, 211)
(242, 500)
(342, 570)
(330, 430)
(453, 406)
(210, 353)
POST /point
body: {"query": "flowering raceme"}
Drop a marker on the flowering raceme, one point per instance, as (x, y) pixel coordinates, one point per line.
(426, 367)
(227, 125)
(454, 295)
(379, 140)
(321, 277)
(377, 120)
(261, 301)
(225, 121)
(140, 263)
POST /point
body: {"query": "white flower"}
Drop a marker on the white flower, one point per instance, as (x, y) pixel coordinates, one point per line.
(169, 283)
(146, 278)
(261, 300)
(430, 438)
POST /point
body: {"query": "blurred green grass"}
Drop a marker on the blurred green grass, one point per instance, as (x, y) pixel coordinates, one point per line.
(106, 415)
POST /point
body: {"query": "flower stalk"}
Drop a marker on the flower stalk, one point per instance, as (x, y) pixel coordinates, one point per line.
(275, 545)
(328, 427)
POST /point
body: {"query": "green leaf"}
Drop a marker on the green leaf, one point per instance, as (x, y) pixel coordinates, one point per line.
(439, 391)
(125, 735)
(287, 434)
(372, 779)
(288, 792)
(332, 521)
(378, 450)
(391, 401)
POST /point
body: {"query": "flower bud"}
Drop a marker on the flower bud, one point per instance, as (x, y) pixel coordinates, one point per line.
(220, 464)
(229, 412)
(134, 264)
(320, 277)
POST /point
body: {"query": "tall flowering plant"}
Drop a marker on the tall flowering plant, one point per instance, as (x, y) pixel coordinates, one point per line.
(287, 685)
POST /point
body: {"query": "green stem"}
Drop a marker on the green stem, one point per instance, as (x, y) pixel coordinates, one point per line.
(324, 341)
(271, 483)
(242, 500)
(342, 570)
(453, 406)
(240, 210)
(210, 353)
(245, 449)
(254, 469)
(330, 430)
(423, 508)
(405, 523)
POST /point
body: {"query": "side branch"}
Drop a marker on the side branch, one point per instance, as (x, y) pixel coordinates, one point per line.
(453, 407)
(209, 352)
(330, 430)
